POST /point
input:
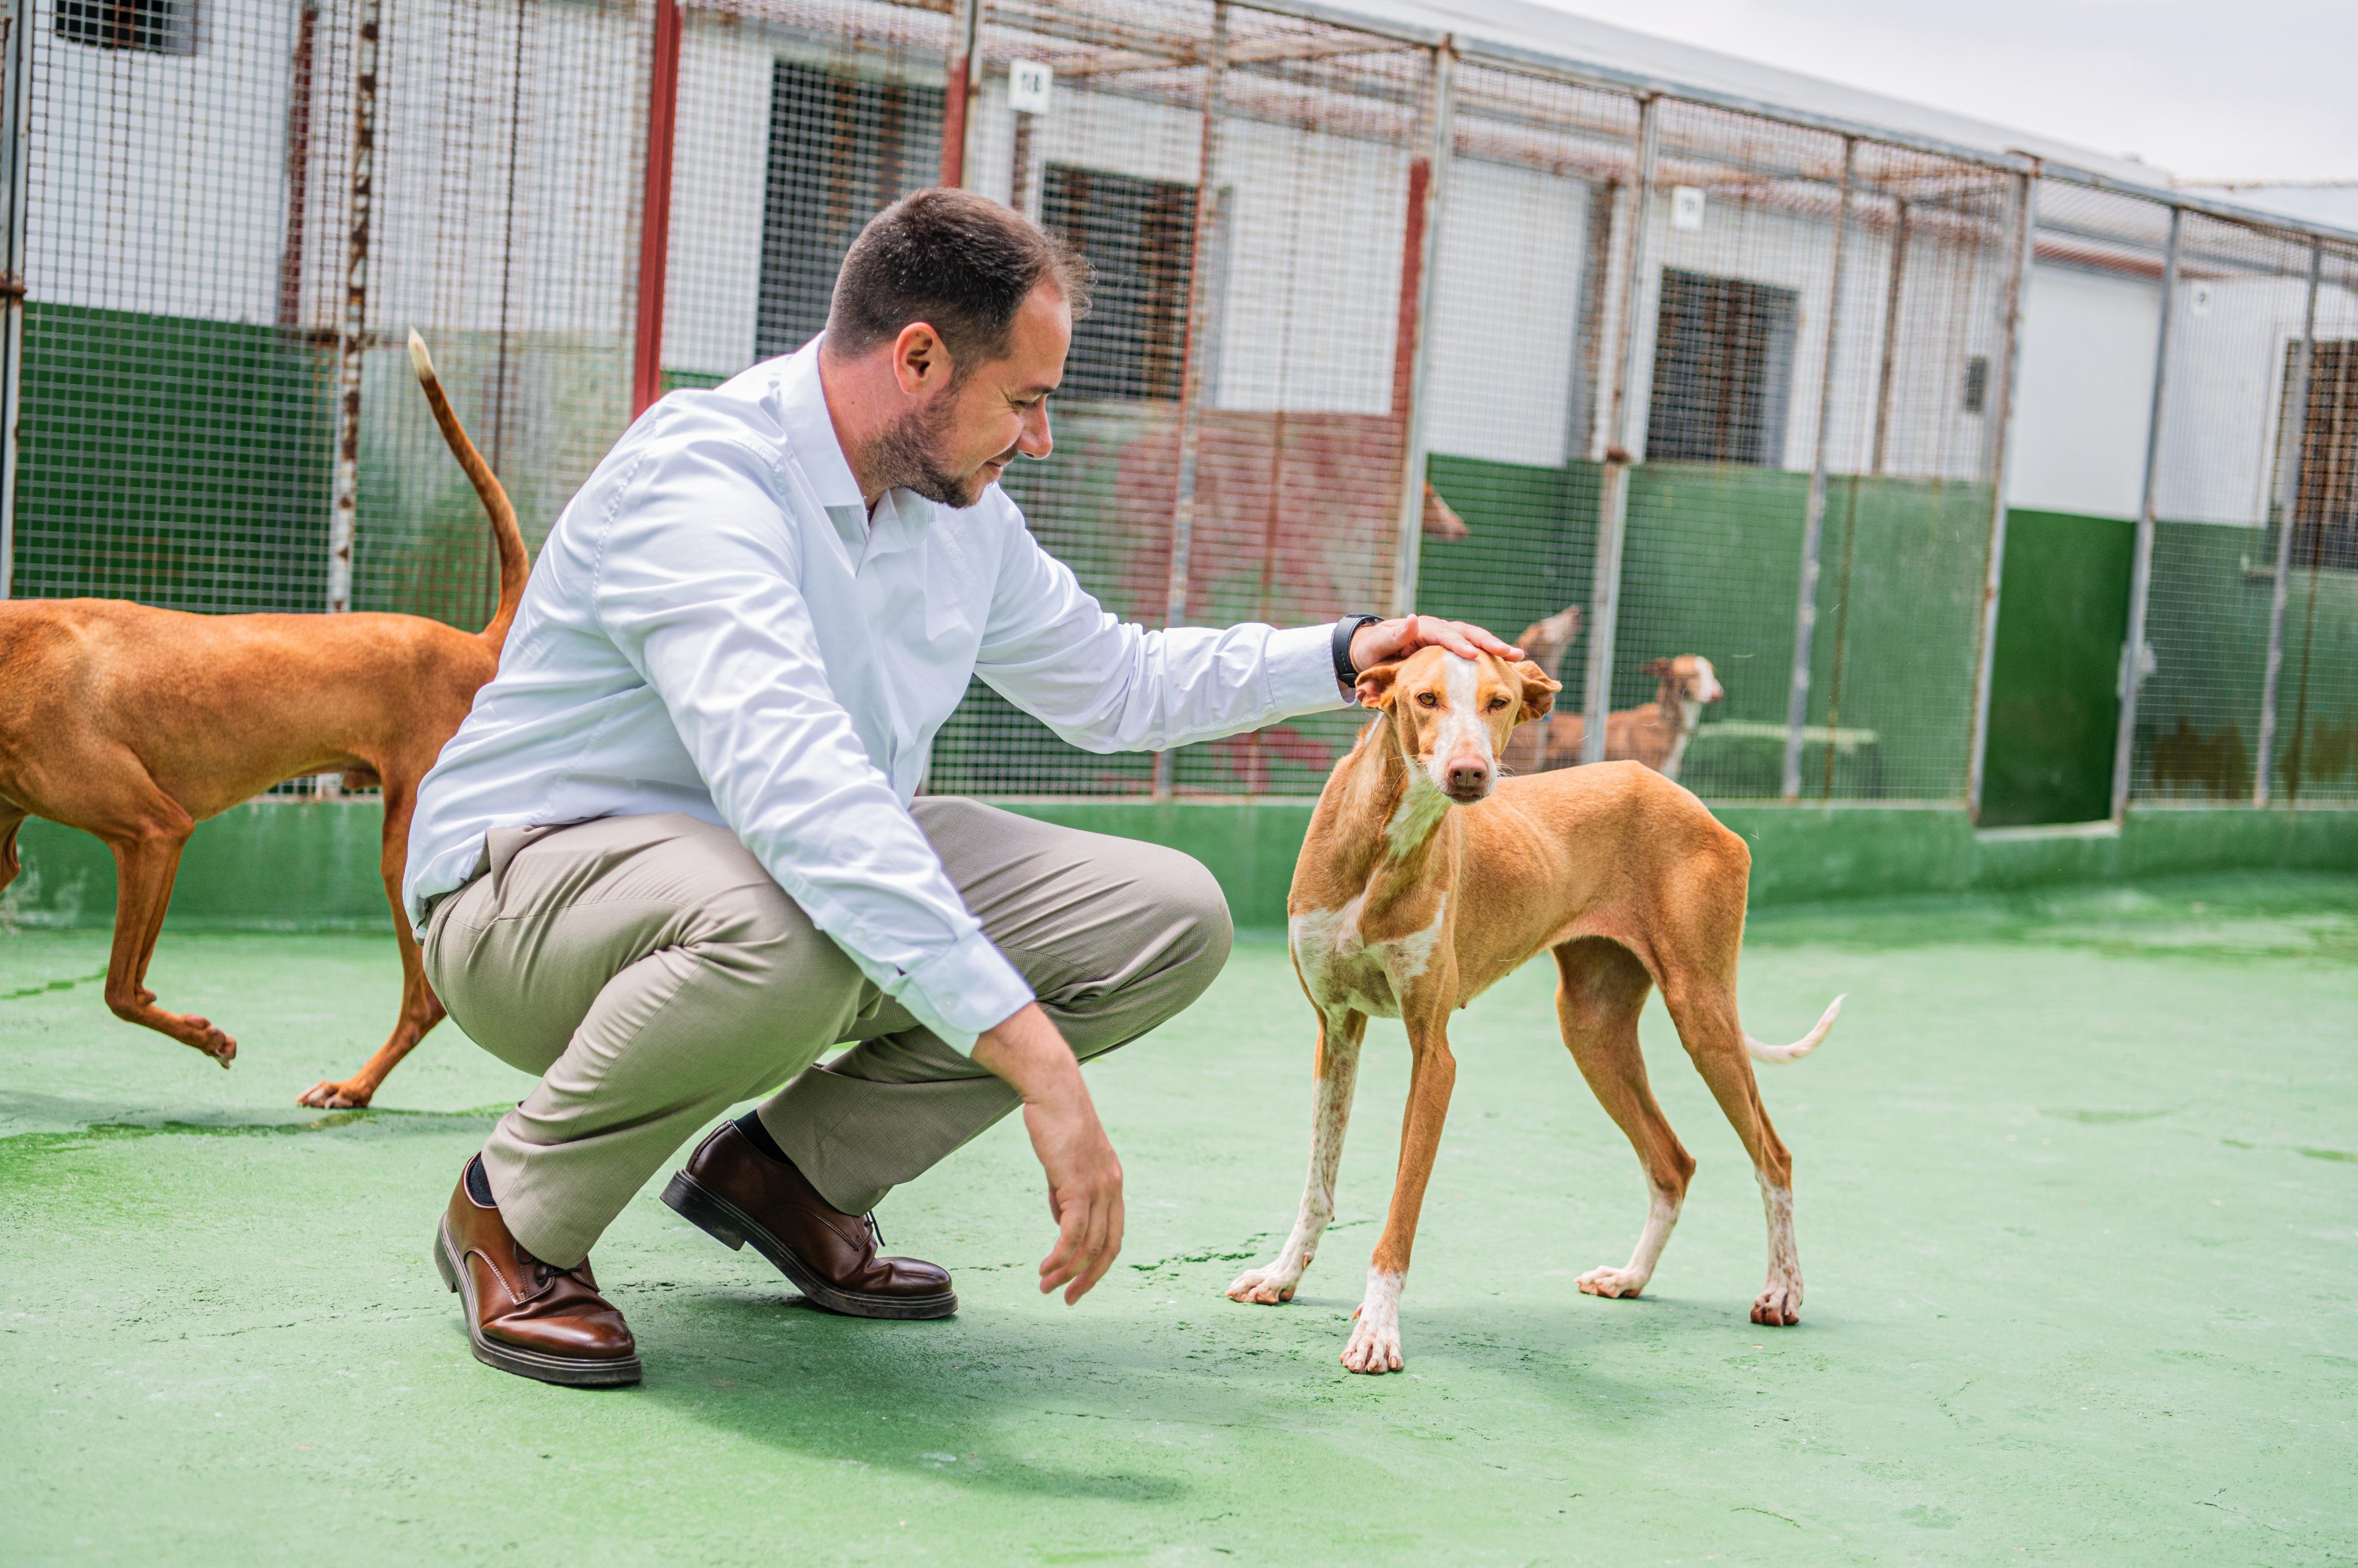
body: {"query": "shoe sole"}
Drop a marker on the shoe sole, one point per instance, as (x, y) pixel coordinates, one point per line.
(732, 1227)
(572, 1371)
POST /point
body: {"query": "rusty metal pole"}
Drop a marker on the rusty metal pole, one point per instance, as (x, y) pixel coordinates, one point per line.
(2295, 433)
(1192, 352)
(1613, 498)
(962, 80)
(1814, 514)
(343, 516)
(654, 208)
(2131, 676)
(1412, 346)
(2001, 412)
(14, 140)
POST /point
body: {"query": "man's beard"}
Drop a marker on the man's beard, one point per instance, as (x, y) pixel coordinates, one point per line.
(907, 456)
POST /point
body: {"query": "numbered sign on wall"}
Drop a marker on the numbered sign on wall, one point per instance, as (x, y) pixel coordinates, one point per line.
(1027, 86)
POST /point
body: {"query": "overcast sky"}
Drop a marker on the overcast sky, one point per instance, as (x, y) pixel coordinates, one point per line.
(2244, 90)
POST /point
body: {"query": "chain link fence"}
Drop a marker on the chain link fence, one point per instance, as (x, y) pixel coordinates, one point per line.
(1806, 454)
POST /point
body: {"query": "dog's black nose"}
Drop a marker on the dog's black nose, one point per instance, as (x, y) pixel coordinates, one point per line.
(1468, 780)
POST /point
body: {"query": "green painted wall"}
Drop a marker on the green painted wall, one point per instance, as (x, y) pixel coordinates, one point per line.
(305, 866)
(179, 462)
(2064, 611)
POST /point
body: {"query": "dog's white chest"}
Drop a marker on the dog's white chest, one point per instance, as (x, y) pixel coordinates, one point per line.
(1341, 969)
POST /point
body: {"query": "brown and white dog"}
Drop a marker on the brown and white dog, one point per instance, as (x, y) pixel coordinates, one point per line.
(1424, 881)
(136, 724)
(1655, 733)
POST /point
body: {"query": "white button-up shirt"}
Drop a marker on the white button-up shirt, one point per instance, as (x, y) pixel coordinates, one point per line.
(717, 626)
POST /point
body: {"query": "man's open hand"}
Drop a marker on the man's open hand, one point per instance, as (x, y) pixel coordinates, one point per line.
(1084, 1175)
(1372, 644)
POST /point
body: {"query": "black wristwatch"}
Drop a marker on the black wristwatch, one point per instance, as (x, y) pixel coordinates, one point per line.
(1347, 674)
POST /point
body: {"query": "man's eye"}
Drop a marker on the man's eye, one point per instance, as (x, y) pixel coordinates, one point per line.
(1426, 699)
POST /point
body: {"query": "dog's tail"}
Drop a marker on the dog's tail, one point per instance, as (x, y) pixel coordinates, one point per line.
(1804, 1046)
(515, 562)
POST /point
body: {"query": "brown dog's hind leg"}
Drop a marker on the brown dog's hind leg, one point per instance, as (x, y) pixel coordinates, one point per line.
(11, 818)
(1705, 1011)
(1600, 989)
(421, 1010)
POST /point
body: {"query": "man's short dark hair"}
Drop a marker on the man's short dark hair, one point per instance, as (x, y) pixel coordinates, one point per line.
(962, 263)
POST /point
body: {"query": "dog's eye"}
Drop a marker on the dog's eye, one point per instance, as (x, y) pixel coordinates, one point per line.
(1426, 699)
(1497, 703)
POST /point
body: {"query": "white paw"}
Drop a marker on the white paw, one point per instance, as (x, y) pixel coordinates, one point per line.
(1778, 1306)
(1267, 1286)
(1375, 1347)
(1620, 1283)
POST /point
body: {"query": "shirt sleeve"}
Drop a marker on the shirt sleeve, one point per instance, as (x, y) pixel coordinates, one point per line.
(1104, 685)
(697, 586)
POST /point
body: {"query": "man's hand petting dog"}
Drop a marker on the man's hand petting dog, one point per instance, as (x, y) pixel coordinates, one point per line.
(1397, 639)
(1084, 1175)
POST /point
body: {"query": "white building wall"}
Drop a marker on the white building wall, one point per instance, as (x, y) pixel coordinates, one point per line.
(720, 160)
(1508, 287)
(156, 182)
(2084, 390)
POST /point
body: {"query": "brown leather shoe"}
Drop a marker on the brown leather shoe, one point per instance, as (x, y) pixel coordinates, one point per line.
(524, 1315)
(737, 1194)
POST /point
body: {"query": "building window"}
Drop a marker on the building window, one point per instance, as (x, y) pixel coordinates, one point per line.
(1976, 398)
(842, 148)
(159, 27)
(1723, 370)
(2325, 513)
(1139, 236)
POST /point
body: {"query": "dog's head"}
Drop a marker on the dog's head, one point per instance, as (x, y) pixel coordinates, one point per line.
(1452, 716)
(1688, 678)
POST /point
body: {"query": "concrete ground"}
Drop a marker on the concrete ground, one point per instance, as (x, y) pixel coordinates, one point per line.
(2077, 1206)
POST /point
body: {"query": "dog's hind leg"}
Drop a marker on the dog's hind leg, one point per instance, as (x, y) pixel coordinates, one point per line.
(1705, 1011)
(1601, 990)
(421, 1010)
(1338, 1075)
(12, 818)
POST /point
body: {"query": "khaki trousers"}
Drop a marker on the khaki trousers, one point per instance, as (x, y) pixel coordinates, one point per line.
(652, 975)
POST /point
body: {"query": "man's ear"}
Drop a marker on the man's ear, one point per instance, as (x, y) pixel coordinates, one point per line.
(1376, 684)
(920, 359)
(1539, 691)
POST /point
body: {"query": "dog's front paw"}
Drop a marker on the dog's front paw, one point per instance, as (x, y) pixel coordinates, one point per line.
(1619, 1284)
(200, 1032)
(333, 1096)
(1778, 1306)
(1268, 1286)
(1375, 1344)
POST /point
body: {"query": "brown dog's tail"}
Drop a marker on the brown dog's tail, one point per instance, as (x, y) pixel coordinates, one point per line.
(516, 563)
(1802, 1048)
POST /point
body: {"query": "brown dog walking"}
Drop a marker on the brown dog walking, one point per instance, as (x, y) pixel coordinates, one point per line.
(136, 724)
(1419, 888)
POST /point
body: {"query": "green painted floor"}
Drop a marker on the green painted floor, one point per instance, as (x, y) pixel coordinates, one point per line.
(2078, 1204)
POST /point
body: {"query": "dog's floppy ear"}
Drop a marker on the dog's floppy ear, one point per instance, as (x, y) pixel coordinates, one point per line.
(1375, 687)
(1539, 691)
(1660, 669)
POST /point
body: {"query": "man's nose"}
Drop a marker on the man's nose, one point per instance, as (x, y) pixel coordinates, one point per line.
(1035, 441)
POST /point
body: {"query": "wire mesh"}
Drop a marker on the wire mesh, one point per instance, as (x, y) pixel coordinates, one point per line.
(1806, 332)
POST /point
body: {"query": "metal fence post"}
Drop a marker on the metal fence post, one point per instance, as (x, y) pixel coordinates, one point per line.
(1192, 353)
(2132, 678)
(16, 77)
(1813, 518)
(1613, 496)
(958, 87)
(1413, 348)
(2018, 281)
(655, 209)
(343, 516)
(2296, 427)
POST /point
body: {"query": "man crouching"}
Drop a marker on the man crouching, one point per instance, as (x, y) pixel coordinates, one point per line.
(675, 852)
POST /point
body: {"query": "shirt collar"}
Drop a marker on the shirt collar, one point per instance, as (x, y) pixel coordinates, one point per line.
(810, 432)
